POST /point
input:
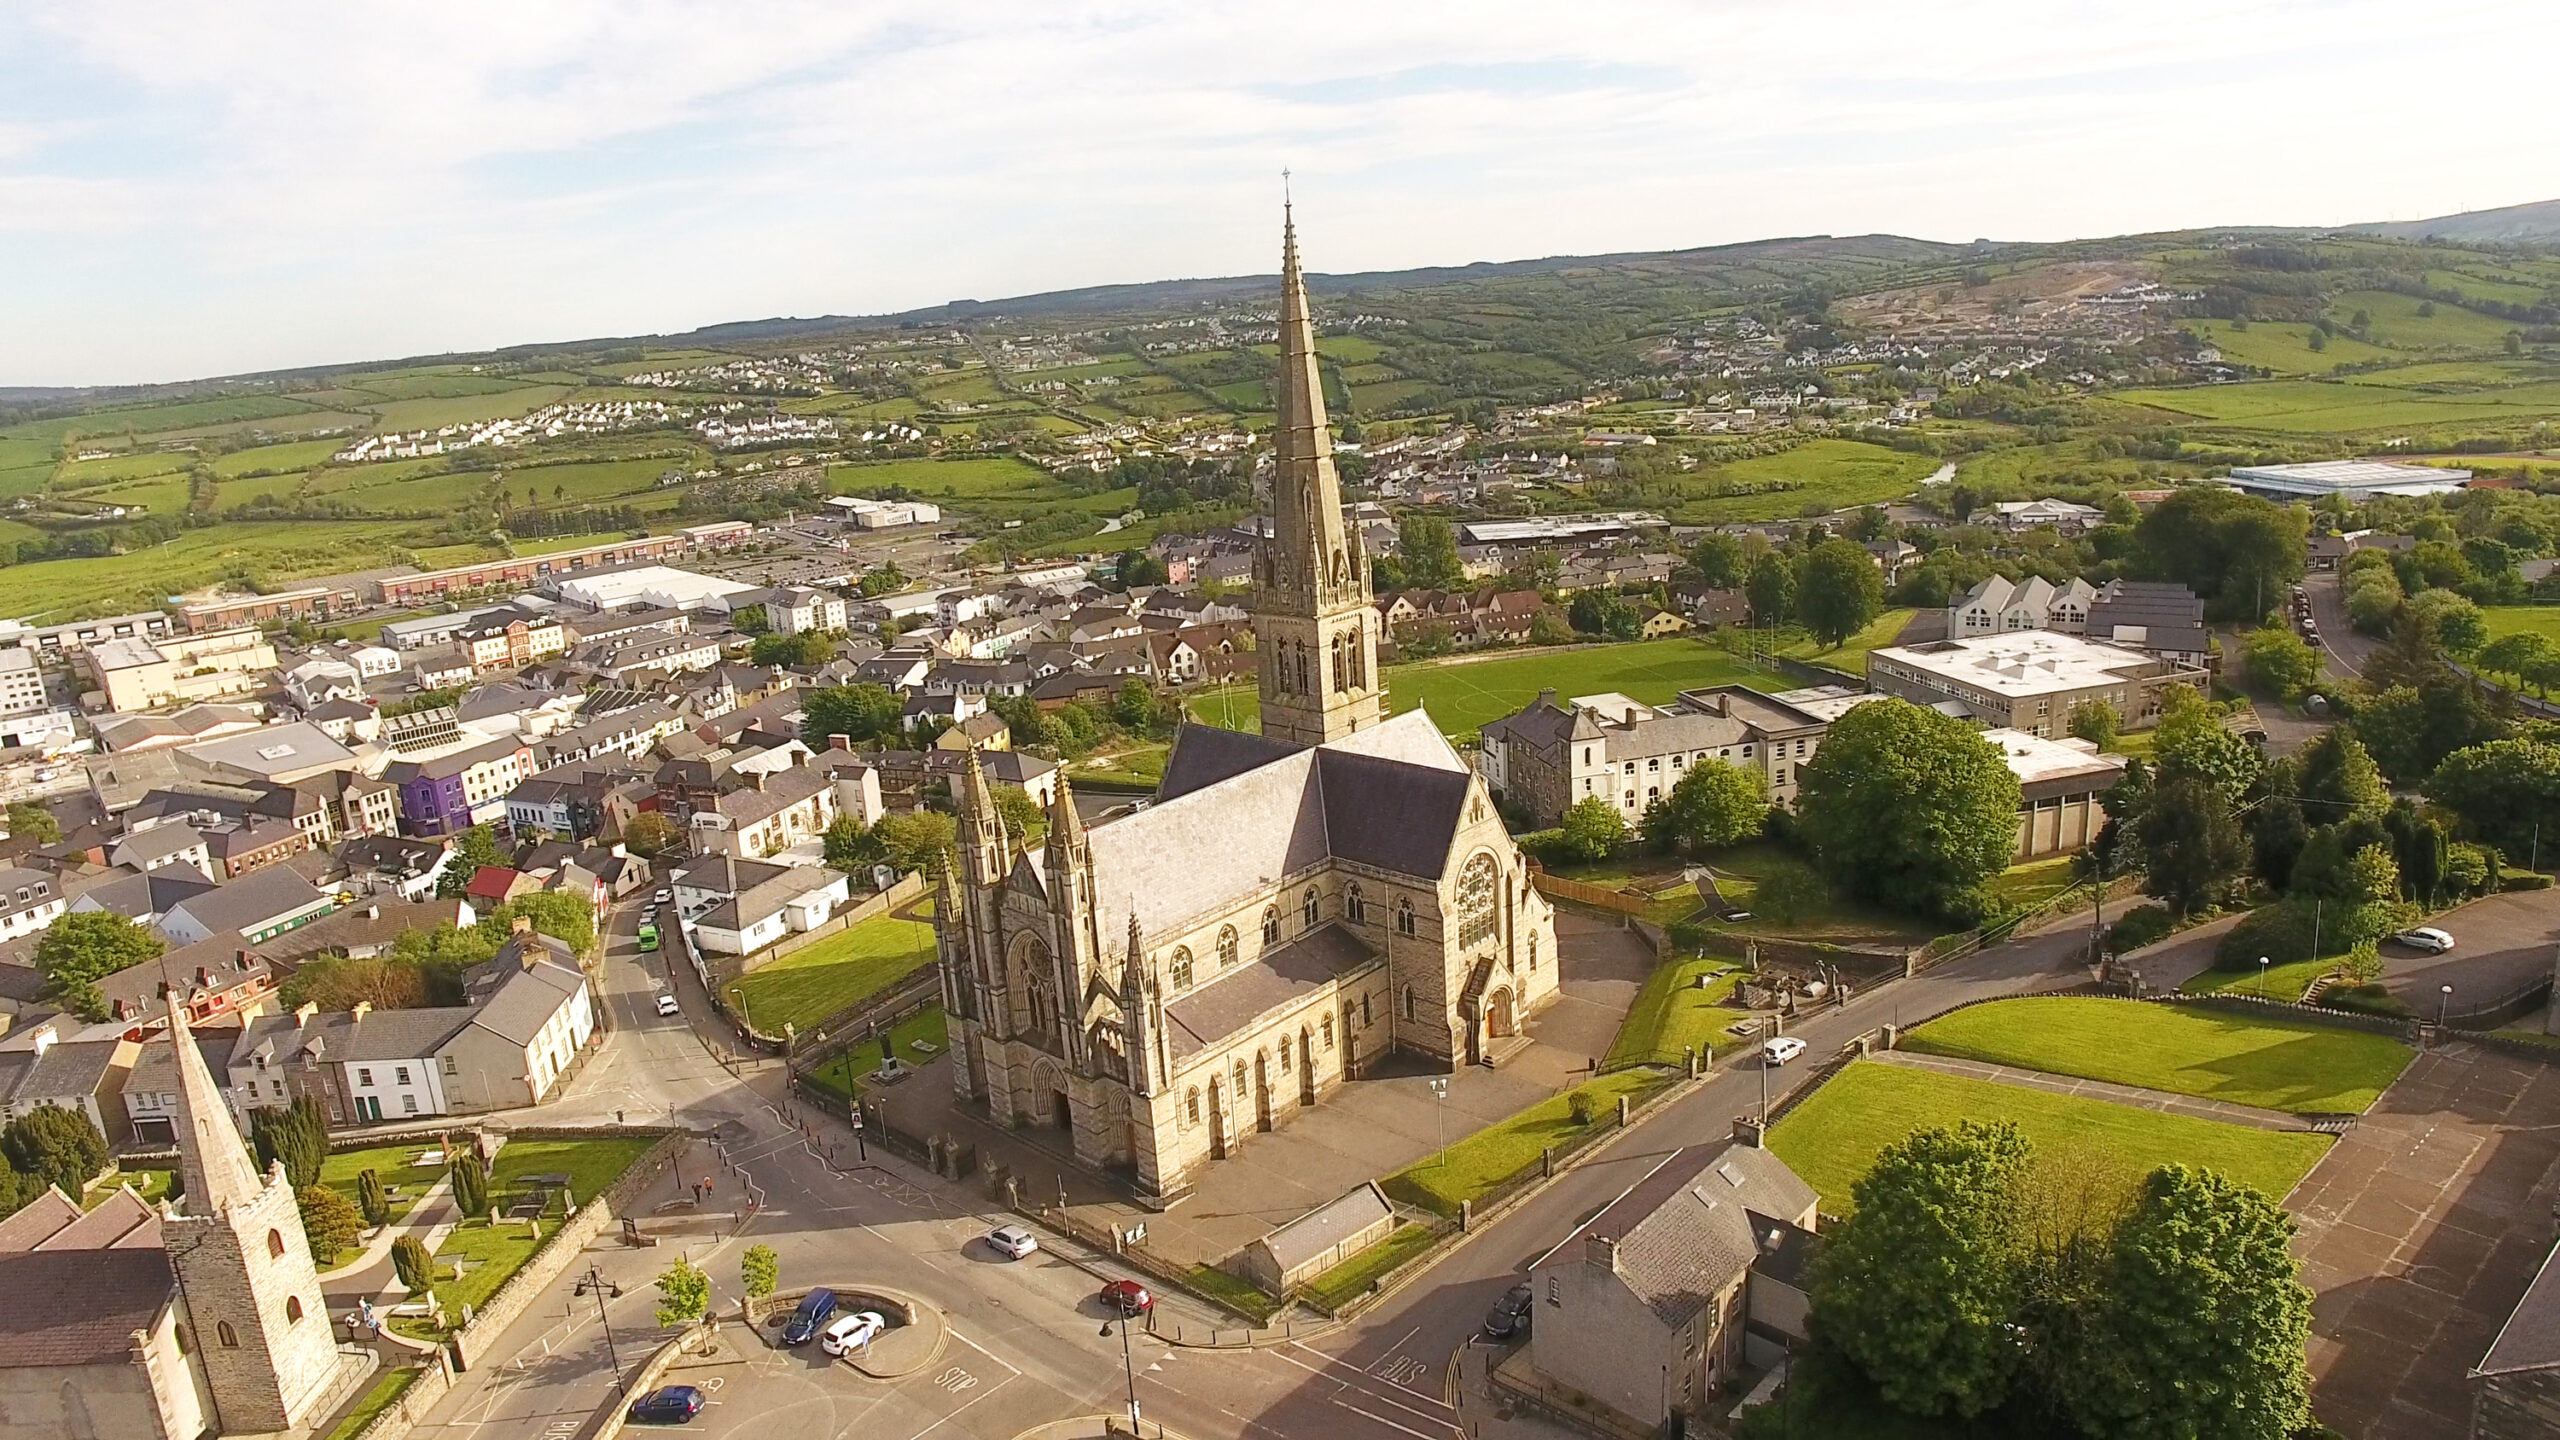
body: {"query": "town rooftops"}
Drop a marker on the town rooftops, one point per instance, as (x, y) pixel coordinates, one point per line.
(121, 1291)
(2047, 768)
(259, 896)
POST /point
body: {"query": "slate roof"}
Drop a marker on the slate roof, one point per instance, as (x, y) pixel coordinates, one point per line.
(2171, 616)
(1227, 1003)
(401, 1034)
(2530, 1340)
(257, 896)
(1324, 1227)
(527, 1001)
(121, 1291)
(1685, 1232)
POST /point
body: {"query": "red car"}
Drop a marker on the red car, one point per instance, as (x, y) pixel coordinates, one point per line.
(1128, 1297)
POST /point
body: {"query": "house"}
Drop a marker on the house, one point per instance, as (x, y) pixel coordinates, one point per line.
(578, 803)
(733, 906)
(1659, 623)
(37, 1068)
(495, 885)
(2061, 784)
(1695, 1272)
(2062, 515)
(258, 906)
(120, 733)
(799, 611)
(771, 813)
(2000, 605)
(511, 637)
(142, 898)
(1554, 754)
(985, 730)
(150, 1096)
(209, 980)
(452, 792)
(2156, 617)
(30, 900)
(370, 929)
(316, 682)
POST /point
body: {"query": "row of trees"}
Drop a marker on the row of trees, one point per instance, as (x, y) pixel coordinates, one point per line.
(1833, 587)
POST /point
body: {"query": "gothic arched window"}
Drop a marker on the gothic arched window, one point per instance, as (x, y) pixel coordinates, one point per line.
(275, 1244)
(1271, 927)
(229, 1337)
(1181, 968)
(1355, 906)
(1533, 951)
(1328, 1030)
(292, 1308)
(1284, 1052)
(1409, 1003)
(1226, 946)
(1191, 1103)
(1479, 885)
(1311, 909)
(1404, 915)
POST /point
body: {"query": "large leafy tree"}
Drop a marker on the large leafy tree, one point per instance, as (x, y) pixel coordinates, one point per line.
(2337, 780)
(56, 1147)
(851, 846)
(79, 949)
(1592, 829)
(918, 841)
(1918, 1286)
(1427, 551)
(330, 1221)
(2411, 729)
(1714, 804)
(1838, 590)
(2506, 792)
(651, 834)
(2191, 742)
(868, 714)
(2237, 552)
(2192, 847)
(555, 913)
(2205, 1319)
(1720, 560)
(31, 821)
(2282, 661)
(472, 849)
(1909, 807)
(1771, 589)
(684, 1292)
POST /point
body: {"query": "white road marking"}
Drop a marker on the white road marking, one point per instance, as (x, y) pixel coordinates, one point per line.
(1345, 1385)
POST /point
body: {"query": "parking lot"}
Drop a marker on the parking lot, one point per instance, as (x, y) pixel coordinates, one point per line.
(2500, 945)
(753, 1390)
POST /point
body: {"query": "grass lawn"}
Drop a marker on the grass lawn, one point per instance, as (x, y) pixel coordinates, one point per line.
(494, 1252)
(1851, 654)
(389, 1163)
(1834, 1137)
(1673, 1013)
(1812, 478)
(151, 1185)
(1463, 692)
(2280, 982)
(810, 984)
(1345, 1282)
(2035, 883)
(386, 1392)
(1143, 765)
(838, 1075)
(1233, 1291)
(1476, 1163)
(2273, 1064)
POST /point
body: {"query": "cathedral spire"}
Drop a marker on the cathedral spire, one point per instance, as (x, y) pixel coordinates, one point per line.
(982, 833)
(218, 1170)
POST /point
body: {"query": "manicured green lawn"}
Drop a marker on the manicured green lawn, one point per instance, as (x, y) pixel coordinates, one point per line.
(2274, 1064)
(494, 1252)
(150, 1185)
(1474, 1164)
(1344, 1282)
(1851, 654)
(838, 1075)
(808, 985)
(1672, 1015)
(1141, 765)
(2281, 982)
(1236, 1293)
(1835, 1136)
(390, 1164)
(386, 1392)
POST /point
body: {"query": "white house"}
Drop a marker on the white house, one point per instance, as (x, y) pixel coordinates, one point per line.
(798, 611)
(737, 907)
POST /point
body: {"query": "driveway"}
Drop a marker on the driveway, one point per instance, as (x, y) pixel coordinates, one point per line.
(2501, 945)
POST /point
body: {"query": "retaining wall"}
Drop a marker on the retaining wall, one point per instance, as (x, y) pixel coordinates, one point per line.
(472, 1343)
(414, 1402)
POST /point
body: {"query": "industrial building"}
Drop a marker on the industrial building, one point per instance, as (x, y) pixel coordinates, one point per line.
(2354, 479)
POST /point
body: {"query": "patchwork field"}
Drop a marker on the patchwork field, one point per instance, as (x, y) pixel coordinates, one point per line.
(2315, 407)
(1834, 1137)
(1821, 476)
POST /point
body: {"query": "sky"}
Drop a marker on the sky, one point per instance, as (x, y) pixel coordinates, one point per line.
(195, 189)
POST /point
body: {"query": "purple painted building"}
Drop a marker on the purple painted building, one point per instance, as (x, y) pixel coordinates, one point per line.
(447, 794)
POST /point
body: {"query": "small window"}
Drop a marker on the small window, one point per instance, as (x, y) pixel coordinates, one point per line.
(229, 1338)
(1181, 967)
(408, 1104)
(403, 1073)
(1555, 1291)
(1271, 927)
(1284, 1052)
(1365, 1021)
(1191, 1102)
(275, 1244)
(1404, 915)
(1311, 909)
(1328, 1031)
(451, 1066)
(1355, 907)
(1227, 947)
(1410, 1001)
(1239, 1078)
(1533, 952)
(292, 1308)
(364, 1075)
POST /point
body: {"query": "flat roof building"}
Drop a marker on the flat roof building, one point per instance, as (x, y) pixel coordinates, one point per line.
(2030, 679)
(655, 585)
(2354, 479)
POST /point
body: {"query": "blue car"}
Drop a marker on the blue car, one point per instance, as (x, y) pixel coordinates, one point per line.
(810, 1318)
(667, 1405)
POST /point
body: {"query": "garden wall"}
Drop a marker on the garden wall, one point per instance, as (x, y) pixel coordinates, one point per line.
(414, 1402)
(472, 1342)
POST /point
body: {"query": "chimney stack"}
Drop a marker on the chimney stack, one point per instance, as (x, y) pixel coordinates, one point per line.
(840, 742)
(303, 1012)
(522, 925)
(363, 1008)
(756, 777)
(1600, 1252)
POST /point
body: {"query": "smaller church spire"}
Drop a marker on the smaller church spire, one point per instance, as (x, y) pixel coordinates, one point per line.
(982, 830)
(219, 1172)
(1066, 828)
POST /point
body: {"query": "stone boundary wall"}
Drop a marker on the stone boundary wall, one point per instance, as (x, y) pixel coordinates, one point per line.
(414, 1402)
(472, 1343)
(615, 1412)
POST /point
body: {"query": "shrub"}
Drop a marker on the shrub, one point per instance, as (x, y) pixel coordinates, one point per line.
(370, 1199)
(2285, 931)
(1688, 937)
(1585, 1109)
(411, 1262)
(471, 1186)
(2524, 880)
(2363, 1000)
(2142, 925)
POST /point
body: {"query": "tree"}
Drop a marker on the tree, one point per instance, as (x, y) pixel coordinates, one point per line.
(1790, 894)
(472, 849)
(1137, 567)
(1713, 804)
(55, 1147)
(1918, 1285)
(1839, 591)
(852, 846)
(1592, 830)
(329, 1221)
(2524, 655)
(470, 1185)
(2410, 730)
(684, 1293)
(1427, 548)
(1909, 807)
(751, 620)
(2281, 661)
(652, 835)
(2318, 340)
(411, 1262)
(2506, 792)
(2191, 741)
(1720, 560)
(867, 714)
(555, 913)
(759, 1270)
(2192, 848)
(296, 1136)
(370, 1198)
(2336, 779)
(2095, 722)
(2455, 622)
(2238, 553)
(2371, 875)
(1549, 628)
(34, 822)
(805, 651)
(2205, 1318)
(1021, 813)
(81, 948)
(1600, 612)
(1771, 589)
(917, 842)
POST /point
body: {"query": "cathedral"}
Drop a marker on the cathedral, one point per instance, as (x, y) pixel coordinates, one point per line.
(1293, 908)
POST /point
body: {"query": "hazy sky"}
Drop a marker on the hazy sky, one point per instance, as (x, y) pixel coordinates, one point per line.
(194, 189)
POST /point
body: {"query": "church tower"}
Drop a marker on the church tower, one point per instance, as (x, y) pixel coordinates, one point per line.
(244, 1267)
(1313, 623)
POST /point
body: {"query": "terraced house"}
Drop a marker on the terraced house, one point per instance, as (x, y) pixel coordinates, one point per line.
(1555, 754)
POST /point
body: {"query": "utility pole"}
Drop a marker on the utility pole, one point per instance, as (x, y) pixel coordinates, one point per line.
(596, 1285)
(1128, 1368)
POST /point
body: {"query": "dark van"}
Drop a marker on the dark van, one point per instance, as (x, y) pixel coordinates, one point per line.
(810, 1318)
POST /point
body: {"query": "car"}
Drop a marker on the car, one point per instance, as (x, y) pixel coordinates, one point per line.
(1012, 1241)
(1779, 1049)
(2426, 938)
(853, 1332)
(1128, 1297)
(667, 1003)
(664, 897)
(668, 1405)
(816, 1309)
(1510, 1314)
(648, 912)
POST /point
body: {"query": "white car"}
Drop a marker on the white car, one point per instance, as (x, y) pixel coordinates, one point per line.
(667, 1003)
(852, 1332)
(664, 897)
(2425, 938)
(1780, 1049)
(1012, 1241)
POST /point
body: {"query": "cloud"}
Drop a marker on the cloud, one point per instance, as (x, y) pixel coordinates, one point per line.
(192, 188)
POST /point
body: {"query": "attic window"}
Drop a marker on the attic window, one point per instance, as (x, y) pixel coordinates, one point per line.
(1732, 1174)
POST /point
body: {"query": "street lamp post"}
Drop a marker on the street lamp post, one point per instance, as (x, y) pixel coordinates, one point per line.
(597, 1285)
(1128, 1368)
(1440, 1092)
(2444, 1002)
(2262, 977)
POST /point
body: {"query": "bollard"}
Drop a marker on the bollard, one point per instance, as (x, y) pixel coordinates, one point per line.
(1547, 1162)
(1466, 1215)
(1622, 1112)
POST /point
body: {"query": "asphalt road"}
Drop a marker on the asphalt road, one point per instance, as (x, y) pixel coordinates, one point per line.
(2347, 650)
(2501, 944)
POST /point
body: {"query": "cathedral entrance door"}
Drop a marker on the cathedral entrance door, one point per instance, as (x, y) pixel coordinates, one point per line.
(1261, 1091)
(1065, 1113)
(1497, 1014)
